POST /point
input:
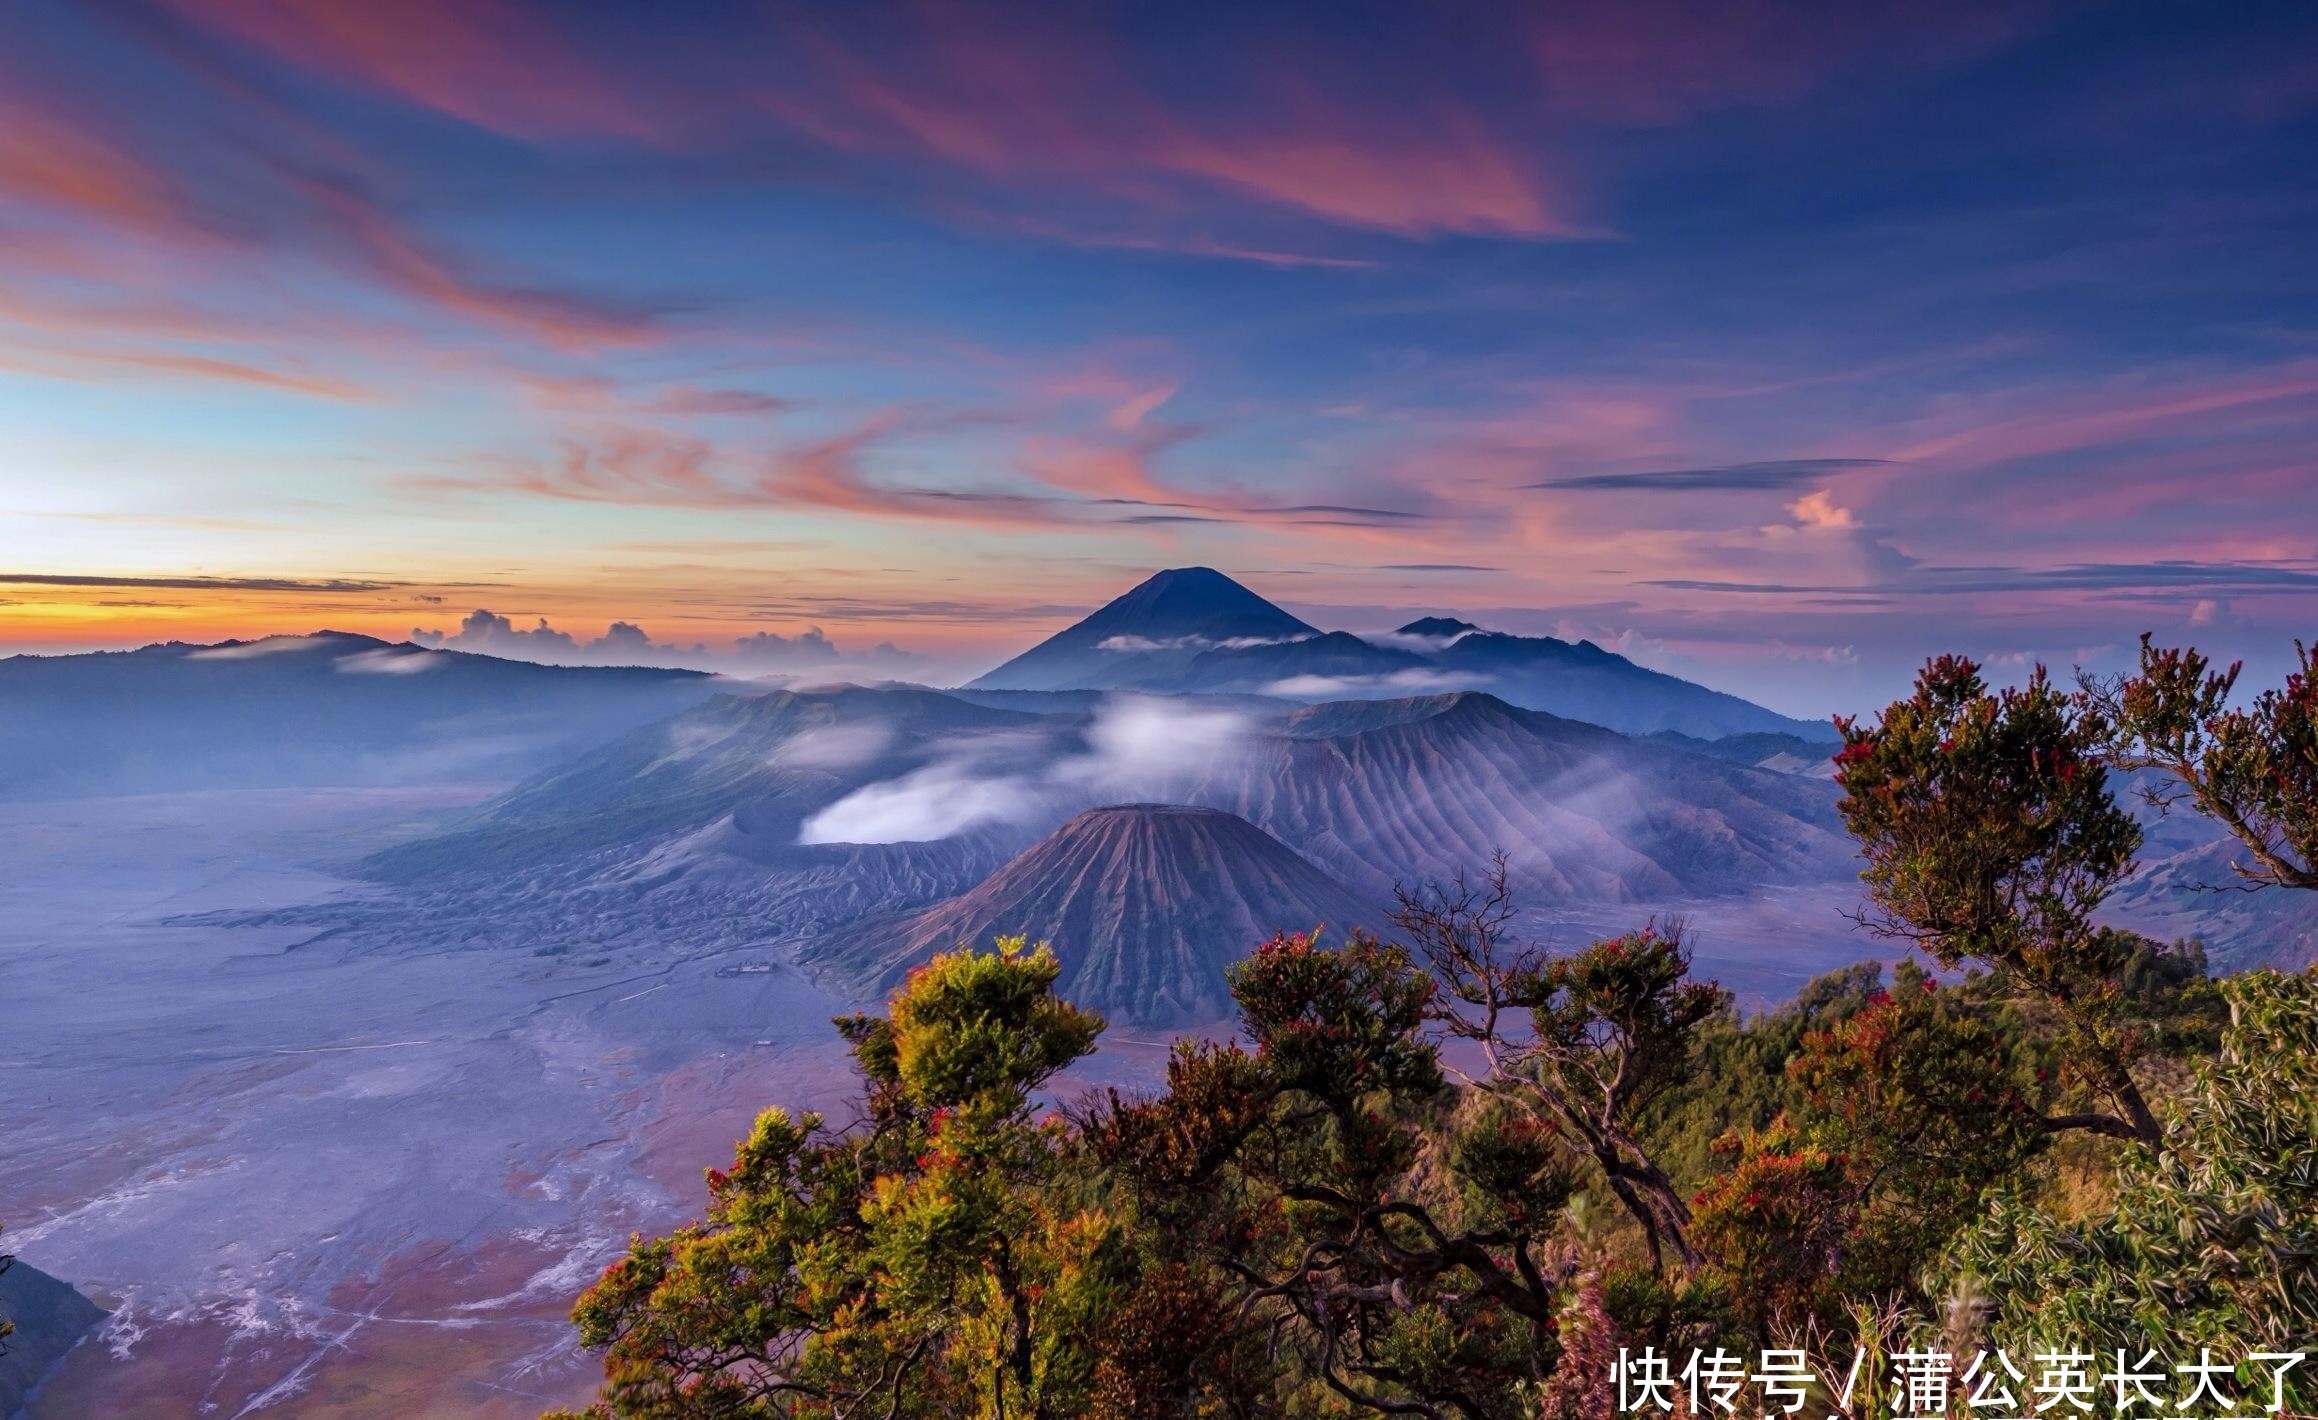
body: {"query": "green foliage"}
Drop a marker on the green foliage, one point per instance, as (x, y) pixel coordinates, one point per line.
(1514, 1167)
(1907, 1110)
(1991, 838)
(1781, 1221)
(1336, 1024)
(974, 1032)
(1325, 1224)
(2212, 1242)
(1740, 1082)
(1627, 999)
(1988, 827)
(2253, 769)
(1362, 1246)
(1170, 1350)
(939, 1261)
(1613, 1028)
(1917, 1094)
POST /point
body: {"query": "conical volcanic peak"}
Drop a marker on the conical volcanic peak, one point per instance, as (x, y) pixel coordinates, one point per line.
(1146, 904)
(1167, 620)
(1195, 601)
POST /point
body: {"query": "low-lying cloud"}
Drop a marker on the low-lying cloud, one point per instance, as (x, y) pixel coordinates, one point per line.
(627, 644)
(1413, 681)
(1134, 748)
(1422, 644)
(941, 800)
(834, 746)
(256, 650)
(391, 660)
(1193, 643)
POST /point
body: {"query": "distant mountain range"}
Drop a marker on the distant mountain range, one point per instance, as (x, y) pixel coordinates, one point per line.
(756, 762)
(1374, 791)
(1281, 776)
(728, 825)
(1193, 629)
(329, 708)
(334, 708)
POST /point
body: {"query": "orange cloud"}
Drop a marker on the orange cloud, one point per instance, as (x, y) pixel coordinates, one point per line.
(1819, 510)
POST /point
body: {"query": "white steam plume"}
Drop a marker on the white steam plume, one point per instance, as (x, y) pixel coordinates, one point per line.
(1137, 747)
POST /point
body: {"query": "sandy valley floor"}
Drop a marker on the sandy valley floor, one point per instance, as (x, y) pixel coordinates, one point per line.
(310, 1184)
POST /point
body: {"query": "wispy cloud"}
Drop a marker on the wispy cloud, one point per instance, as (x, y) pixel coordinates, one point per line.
(1739, 477)
(331, 585)
(2174, 576)
(502, 65)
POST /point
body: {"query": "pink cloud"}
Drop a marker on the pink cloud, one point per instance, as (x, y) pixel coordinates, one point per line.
(1050, 97)
(498, 64)
(50, 162)
(2090, 418)
(89, 364)
(1051, 102)
(390, 250)
(1063, 106)
(1656, 62)
(85, 174)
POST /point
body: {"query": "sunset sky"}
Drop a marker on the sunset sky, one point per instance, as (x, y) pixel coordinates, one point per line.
(1774, 345)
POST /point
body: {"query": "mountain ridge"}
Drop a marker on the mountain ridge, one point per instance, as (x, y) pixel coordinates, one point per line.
(1195, 630)
(326, 708)
(766, 758)
(1424, 787)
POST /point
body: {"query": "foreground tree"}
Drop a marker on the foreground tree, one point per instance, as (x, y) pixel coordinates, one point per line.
(1609, 1030)
(2251, 769)
(1910, 1110)
(2214, 1242)
(934, 1260)
(1380, 1244)
(1991, 839)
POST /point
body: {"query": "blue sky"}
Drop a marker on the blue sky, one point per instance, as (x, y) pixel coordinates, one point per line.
(1777, 345)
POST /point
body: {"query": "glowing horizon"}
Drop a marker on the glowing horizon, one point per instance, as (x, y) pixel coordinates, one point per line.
(1775, 347)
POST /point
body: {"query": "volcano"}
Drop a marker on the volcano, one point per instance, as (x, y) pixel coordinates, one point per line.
(1166, 622)
(1378, 792)
(1192, 630)
(1146, 905)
